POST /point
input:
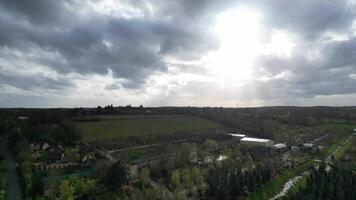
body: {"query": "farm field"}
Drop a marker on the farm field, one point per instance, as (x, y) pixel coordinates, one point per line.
(114, 126)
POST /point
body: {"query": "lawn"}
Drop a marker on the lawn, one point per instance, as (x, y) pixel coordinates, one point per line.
(114, 126)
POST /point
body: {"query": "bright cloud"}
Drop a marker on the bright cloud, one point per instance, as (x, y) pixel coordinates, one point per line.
(202, 53)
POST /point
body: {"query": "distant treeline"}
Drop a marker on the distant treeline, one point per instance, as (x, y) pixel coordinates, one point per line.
(257, 121)
(288, 114)
(285, 114)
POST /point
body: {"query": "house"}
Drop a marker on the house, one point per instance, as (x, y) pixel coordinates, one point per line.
(45, 146)
(22, 117)
(295, 148)
(32, 147)
(221, 158)
(280, 146)
(87, 158)
(307, 145)
(237, 136)
(257, 142)
(35, 155)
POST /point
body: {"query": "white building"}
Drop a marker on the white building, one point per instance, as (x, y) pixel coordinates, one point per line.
(280, 146)
(257, 142)
(45, 146)
(295, 148)
(235, 135)
(221, 158)
(307, 145)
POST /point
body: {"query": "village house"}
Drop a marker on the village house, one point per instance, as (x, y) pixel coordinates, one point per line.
(257, 142)
(237, 136)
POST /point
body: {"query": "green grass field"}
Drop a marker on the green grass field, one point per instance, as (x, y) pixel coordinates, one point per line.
(114, 126)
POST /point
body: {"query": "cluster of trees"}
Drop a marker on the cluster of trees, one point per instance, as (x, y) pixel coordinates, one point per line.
(2, 172)
(71, 188)
(337, 184)
(217, 180)
(49, 126)
(40, 126)
(108, 184)
(109, 110)
(228, 182)
(182, 183)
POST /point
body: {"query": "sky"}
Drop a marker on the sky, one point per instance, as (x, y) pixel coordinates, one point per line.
(242, 53)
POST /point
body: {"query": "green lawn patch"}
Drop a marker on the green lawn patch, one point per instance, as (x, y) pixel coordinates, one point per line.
(114, 126)
(2, 195)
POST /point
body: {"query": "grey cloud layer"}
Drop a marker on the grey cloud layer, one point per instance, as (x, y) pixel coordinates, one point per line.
(84, 41)
(309, 19)
(132, 48)
(327, 73)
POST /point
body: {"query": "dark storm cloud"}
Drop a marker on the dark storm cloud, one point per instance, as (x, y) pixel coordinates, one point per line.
(132, 48)
(34, 82)
(38, 11)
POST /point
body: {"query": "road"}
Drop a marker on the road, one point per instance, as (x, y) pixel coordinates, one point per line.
(13, 191)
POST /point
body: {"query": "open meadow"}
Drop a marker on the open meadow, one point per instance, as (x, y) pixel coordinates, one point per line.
(114, 126)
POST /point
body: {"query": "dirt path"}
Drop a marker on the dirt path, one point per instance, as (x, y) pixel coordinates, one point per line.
(145, 146)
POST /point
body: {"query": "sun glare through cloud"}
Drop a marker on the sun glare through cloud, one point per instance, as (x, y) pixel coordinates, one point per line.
(176, 52)
(238, 31)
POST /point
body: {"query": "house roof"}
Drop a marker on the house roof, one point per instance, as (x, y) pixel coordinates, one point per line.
(280, 145)
(308, 144)
(250, 139)
(236, 135)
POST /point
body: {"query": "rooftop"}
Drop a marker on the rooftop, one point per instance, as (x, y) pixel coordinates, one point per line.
(280, 145)
(222, 157)
(250, 139)
(236, 135)
(308, 144)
